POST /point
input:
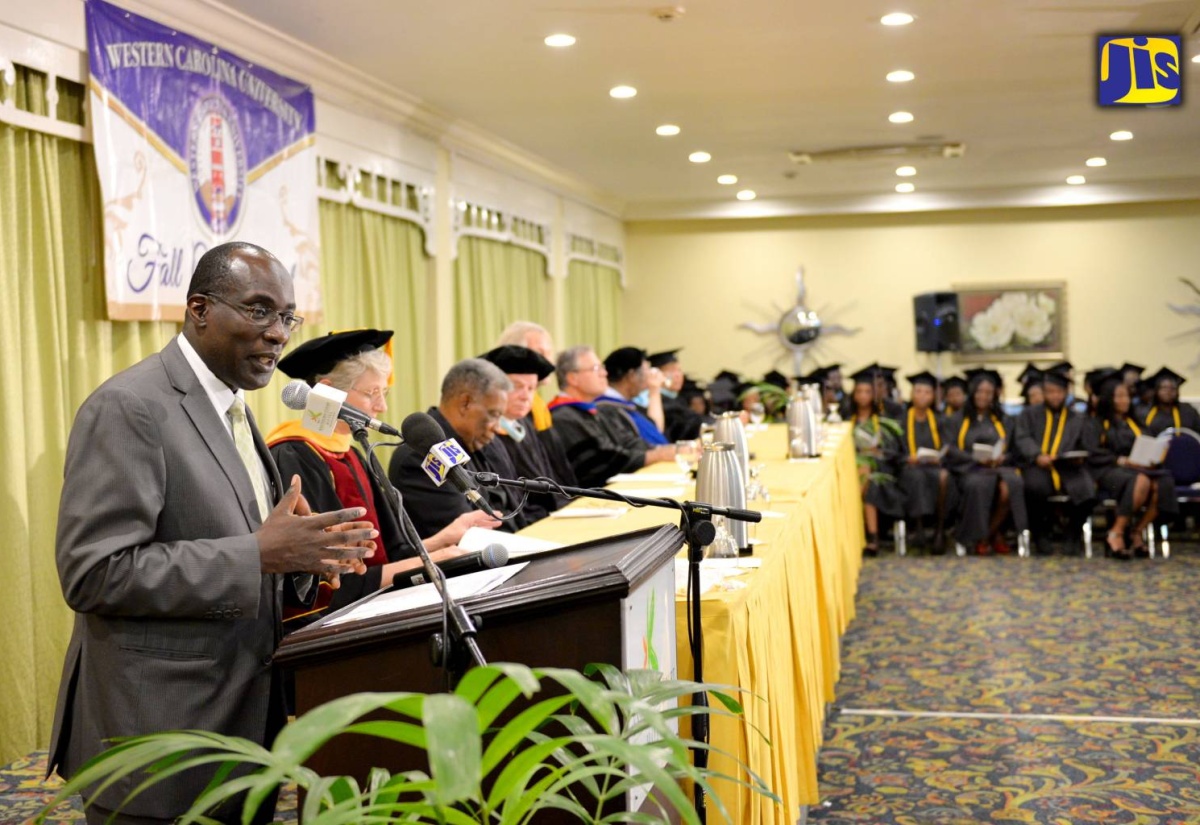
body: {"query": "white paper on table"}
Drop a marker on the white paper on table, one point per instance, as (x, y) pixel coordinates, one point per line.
(590, 512)
(476, 539)
(652, 478)
(426, 595)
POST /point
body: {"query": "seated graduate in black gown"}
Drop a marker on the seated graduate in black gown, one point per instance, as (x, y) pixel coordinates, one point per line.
(1047, 435)
(1031, 380)
(1167, 412)
(989, 484)
(924, 480)
(682, 422)
(516, 432)
(875, 441)
(1109, 438)
(474, 398)
(954, 395)
(333, 472)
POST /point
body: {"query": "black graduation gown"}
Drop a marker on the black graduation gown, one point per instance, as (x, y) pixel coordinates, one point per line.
(978, 484)
(920, 482)
(1157, 419)
(530, 459)
(886, 496)
(1105, 444)
(297, 458)
(432, 507)
(683, 423)
(1074, 480)
(597, 443)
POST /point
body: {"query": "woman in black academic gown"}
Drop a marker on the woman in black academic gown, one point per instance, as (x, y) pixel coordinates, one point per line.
(874, 440)
(1166, 411)
(1109, 438)
(954, 395)
(990, 489)
(925, 482)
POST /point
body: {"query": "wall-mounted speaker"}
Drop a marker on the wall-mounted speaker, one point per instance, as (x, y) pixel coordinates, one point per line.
(936, 317)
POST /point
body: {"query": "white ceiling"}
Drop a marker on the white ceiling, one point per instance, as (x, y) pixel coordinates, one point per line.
(749, 80)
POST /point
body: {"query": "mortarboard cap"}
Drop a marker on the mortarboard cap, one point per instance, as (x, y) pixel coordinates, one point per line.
(729, 375)
(817, 376)
(517, 360)
(776, 378)
(1065, 367)
(320, 355)
(661, 359)
(924, 377)
(1166, 374)
(866, 375)
(1029, 372)
(955, 381)
(1030, 378)
(888, 373)
(1093, 377)
(1056, 377)
(1104, 379)
(622, 361)
(977, 374)
(1128, 367)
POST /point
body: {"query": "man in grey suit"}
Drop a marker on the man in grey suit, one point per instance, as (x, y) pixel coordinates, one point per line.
(177, 543)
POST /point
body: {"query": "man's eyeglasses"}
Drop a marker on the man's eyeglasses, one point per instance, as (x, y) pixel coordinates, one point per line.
(259, 315)
(592, 368)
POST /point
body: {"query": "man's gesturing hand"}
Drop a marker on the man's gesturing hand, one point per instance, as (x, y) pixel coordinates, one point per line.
(292, 541)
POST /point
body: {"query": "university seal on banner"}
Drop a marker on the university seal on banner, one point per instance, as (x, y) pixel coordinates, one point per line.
(216, 158)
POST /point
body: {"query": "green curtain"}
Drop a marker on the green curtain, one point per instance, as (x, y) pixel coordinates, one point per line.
(374, 273)
(592, 300)
(495, 283)
(55, 348)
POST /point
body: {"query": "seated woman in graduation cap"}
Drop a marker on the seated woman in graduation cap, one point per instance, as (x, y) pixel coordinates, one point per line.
(875, 439)
(1031, 387)
(989, 485)
(1109, 438)
(333, 474)
(1166, 412)
(926, 484)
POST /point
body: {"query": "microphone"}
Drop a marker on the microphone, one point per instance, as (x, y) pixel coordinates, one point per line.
(296, 397)
(442, 457)
(494, 555)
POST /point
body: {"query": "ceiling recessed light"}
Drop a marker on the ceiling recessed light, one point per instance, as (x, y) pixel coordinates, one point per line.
(622, 92)
(667, 130)
(896, 18)
(900, 76)
(900, 117)
(699, 157)
(559, 41)
(1122, 135)
(727, 180)
(747, 195)
(1096, 162)
(905, 188)
(906, 171)
(1076, 180)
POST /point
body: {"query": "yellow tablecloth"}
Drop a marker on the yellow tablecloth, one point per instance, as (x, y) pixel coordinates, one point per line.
(777, 638)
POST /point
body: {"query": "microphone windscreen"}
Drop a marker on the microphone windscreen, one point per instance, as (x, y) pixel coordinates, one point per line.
(421, 432)
(494, 555)
(295, 395)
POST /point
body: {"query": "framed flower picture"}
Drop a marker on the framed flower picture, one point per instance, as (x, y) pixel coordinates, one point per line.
(1013, 322)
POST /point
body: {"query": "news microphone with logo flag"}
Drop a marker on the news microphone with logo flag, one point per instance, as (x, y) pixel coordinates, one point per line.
(494, 555)
(323, 406)
(443, 457)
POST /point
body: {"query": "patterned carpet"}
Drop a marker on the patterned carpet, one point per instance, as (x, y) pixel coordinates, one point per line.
(24, 792)
(1055, 636)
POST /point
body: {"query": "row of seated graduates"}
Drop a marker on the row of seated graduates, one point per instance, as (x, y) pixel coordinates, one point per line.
(1059, 457)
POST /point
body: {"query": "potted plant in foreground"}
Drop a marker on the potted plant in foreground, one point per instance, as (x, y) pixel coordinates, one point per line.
(602, 737)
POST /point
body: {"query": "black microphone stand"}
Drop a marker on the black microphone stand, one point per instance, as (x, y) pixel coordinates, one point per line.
(448, 648)
(695, 522)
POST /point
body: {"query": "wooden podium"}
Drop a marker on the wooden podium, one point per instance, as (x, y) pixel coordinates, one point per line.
(568, 608)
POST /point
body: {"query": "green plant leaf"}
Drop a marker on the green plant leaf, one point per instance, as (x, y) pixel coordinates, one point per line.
(511, 735)
(456, 751)
(405, 732)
